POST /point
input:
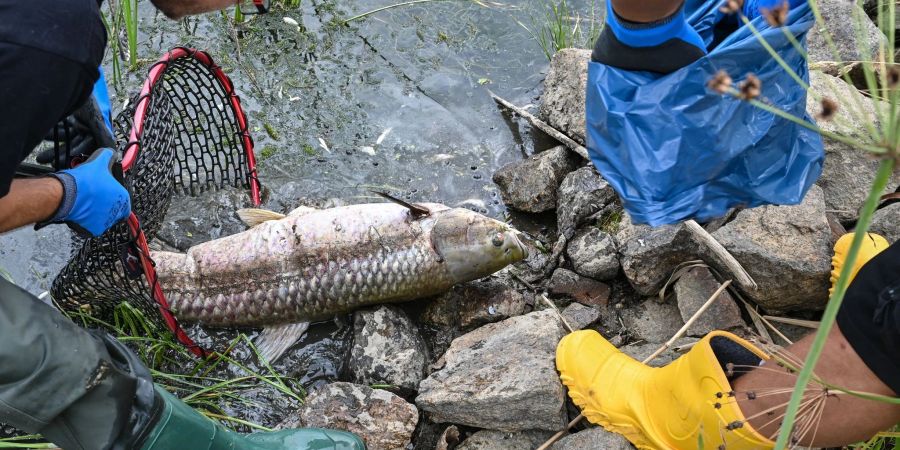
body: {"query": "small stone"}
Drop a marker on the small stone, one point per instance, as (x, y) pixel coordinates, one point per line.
(642, 351)
(383, 420)
(692, 291)
(786, 249)
(581, 289)
(473, 304)
(387, 349)
(887, 222)
(650, 255)
(562, 104)
(501, 376)
(582, 195)
(595, 438)
(531, 185)
(579, 316)
(593, 254)
(653, 321)
(498, 440)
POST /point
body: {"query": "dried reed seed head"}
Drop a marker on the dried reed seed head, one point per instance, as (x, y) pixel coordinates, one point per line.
(893, 77)
(777, 15)
(729, 368)
(731, 6)
(829, 109)
(751, 87)
(720, 82)
(734, 425)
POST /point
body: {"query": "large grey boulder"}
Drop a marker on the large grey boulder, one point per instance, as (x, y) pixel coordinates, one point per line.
(841, 20)
(787, 251)
(887, 222)
(501, 376)
(383, 420)
(649, 255)
(387, 348)
(531, 185)
(692, 290)
(595, 438)
(476, 303)
(562, 105)
(499, 440)
(849, 172)
(593, 254)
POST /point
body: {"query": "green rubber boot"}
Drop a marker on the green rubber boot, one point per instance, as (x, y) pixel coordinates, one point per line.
(181, 427)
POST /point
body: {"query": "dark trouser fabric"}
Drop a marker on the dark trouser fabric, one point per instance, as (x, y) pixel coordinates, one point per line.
(61, 380)
(870, 316)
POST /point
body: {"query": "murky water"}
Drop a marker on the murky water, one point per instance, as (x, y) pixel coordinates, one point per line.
(398, 101)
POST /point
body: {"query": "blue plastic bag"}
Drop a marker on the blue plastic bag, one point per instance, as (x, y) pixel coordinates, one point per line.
(674, 150)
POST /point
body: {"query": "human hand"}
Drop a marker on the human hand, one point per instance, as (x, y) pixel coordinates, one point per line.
(93, 200)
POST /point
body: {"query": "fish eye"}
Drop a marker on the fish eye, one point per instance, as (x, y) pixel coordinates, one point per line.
(498, 240)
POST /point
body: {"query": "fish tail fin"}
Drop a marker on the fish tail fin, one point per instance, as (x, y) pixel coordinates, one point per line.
(253, 216)
(275, 340)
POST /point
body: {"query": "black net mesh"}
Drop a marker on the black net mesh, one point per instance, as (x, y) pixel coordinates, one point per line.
(191, 140)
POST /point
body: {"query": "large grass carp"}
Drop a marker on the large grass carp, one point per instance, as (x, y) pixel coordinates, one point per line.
(310, 265)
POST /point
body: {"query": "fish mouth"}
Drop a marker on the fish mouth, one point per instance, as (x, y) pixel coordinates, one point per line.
(519, 244)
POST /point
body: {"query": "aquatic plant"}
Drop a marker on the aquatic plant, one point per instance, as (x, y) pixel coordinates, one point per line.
(558, 26)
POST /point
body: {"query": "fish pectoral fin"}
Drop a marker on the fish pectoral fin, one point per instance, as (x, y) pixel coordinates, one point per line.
(415, 209)
(273, 341)
(254, 216)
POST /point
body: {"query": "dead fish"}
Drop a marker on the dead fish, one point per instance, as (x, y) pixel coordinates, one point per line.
(311, 265)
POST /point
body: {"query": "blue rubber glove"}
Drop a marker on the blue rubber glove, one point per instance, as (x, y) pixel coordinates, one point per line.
(754, 8)
(93, 200)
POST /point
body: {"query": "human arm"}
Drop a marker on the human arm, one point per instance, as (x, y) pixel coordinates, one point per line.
(176, 9)
(29, 201)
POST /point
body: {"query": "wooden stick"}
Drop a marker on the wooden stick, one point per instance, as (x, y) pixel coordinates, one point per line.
(798, 322)
(722, 256)
(558, 313)
(544, 126)
(665, 347)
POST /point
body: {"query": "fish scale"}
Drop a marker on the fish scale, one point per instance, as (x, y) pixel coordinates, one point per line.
(310, 266)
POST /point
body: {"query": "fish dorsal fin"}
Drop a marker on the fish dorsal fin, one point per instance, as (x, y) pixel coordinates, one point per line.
(273, 341)
(416, 210)
(253, 216)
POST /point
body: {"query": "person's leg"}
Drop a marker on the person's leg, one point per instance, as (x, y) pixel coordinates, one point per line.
(647, 35)
(860, 355)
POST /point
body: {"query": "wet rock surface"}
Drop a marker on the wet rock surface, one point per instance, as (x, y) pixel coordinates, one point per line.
(387, 349)
(562, 105)
(383, 420)
(786, 249)
(848, 173)
(593, 254)
(692, 291)
(595, 438)
(499, 440)
(530, 185)
(472, 304)
(887, 222)
(501, 376)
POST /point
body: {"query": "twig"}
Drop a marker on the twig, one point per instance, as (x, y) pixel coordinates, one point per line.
(561, 318)
(797, 322)
(757, 316)
(722, 256)
(543, 126)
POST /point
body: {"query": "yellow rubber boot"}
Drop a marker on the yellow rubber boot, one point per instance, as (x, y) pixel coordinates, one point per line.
(871, 246)
(679, 406)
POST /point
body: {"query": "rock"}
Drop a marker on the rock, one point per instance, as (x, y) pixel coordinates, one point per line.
(498, 440)
(579, 316)
(841, 20)
(473, 304)
(383, 420)
(562, 105)
(581, 289)
(593, 254)
(649, 255)
(642, 351)
(595, 438)
(501, 376)
(387, 349)
(531, 185)
(787, 251)
(449, 438)
(582, 194)
(652, 321)
(692, 290)
(887, 222)
(849, 172)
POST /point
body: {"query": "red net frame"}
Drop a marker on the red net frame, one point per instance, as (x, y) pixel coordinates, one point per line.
(186, 129)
